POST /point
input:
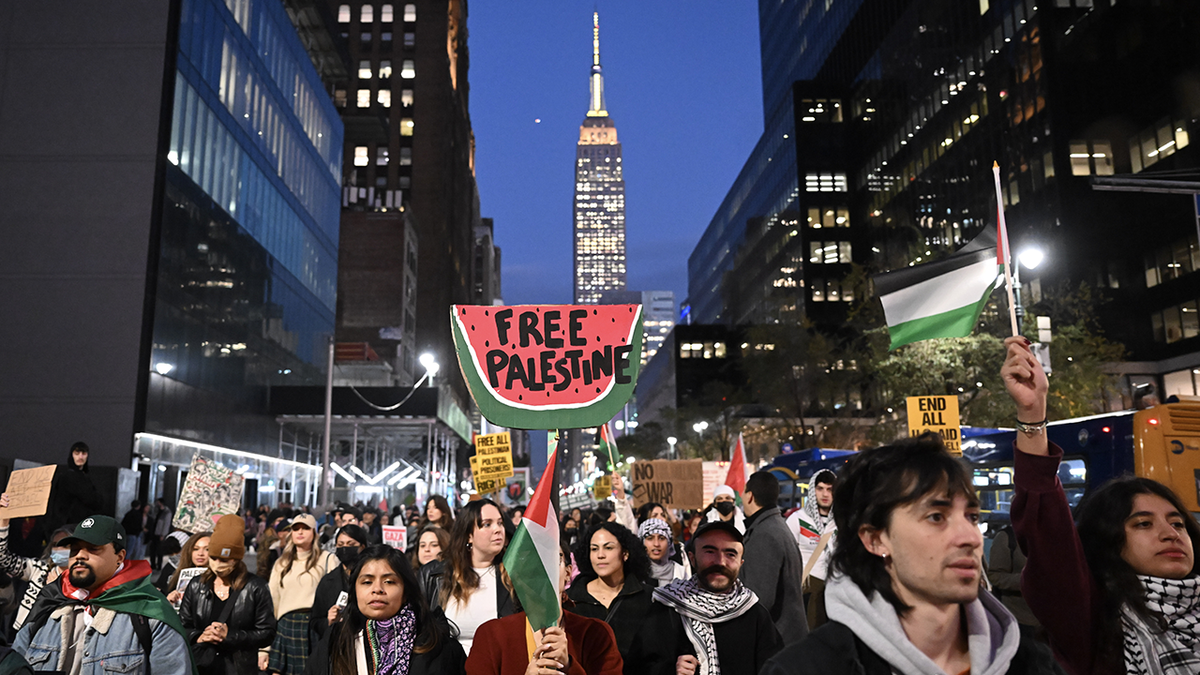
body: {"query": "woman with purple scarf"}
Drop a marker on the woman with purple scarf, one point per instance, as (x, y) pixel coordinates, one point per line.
(387, 627)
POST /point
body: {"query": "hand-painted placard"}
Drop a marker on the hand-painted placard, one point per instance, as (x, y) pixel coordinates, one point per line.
(674, 483)
(210, 491)
(603, 487)
(549, 366)
(28, 492)
(938, 414)
(395, 536)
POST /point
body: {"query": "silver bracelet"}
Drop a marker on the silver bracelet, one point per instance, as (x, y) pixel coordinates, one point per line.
(1031, 428)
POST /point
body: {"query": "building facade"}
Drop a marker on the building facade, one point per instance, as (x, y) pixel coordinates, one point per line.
(599, 195)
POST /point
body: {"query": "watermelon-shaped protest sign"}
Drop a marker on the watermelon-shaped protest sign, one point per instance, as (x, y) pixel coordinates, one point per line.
(549, 366)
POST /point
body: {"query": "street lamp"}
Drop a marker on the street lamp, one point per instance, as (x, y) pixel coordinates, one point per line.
(699, 428)
(672, 441)
(429, 361)
(1031, 257)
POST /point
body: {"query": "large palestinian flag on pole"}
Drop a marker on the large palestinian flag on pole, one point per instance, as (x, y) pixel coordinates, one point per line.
(735, 477)
(608, 445)
(532, 557)
(943, 298)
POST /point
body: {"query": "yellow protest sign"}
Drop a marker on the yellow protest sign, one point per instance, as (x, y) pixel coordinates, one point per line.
(938, 414)
(493, 453)
(28, 492)
(602, 487)
(484, 485)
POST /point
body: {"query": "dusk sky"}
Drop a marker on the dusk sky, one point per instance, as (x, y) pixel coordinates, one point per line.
(683, 85)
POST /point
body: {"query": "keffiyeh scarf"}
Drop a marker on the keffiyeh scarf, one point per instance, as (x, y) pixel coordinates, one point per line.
(700, 609)
(390, 643)
(820, 522)
(1173, 646)
(663, 571)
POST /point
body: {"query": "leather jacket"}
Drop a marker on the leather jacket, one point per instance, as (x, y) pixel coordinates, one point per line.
(251, 623)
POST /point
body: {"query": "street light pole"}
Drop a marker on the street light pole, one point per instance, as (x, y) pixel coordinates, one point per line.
(672, 440)
(323, 496)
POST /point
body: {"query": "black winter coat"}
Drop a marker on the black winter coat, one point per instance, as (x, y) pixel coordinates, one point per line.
(834, 649)
(328, 589)
(73, 497)
(251, 624)
(431, 585)
(447, 659)
(647, 632)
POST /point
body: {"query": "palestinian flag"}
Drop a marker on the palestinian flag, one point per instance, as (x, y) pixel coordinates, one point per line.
(943, 298)
(736, 476)
(532, 557)
(608, 445)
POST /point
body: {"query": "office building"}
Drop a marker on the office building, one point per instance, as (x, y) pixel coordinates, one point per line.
(177, 190)
(599, 195)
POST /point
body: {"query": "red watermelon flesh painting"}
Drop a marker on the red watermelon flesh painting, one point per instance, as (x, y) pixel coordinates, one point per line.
(529, 359)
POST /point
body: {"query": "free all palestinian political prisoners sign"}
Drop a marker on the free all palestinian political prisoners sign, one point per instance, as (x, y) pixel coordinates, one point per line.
(938, 414)
(548, 366)
(674, 483)
(210, 491)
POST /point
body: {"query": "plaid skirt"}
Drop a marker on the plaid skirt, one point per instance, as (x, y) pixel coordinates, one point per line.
(289, 651)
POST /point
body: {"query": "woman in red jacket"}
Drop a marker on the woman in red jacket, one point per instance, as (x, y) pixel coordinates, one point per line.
(580, 646)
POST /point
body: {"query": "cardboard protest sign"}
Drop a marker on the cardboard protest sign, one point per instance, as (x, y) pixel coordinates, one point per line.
(28, 492)
(938, 414)
(395, 536)
(602, 487)
(210, 491)
(548, 366)
(674, 483)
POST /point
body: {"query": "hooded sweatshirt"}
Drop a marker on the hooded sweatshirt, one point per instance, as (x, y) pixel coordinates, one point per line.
(993, 635)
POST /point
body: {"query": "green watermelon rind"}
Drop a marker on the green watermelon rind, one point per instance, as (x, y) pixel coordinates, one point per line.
(602, 408)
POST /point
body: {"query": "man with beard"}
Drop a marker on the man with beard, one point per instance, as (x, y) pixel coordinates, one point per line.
(814, 529)
(104, 615)
(728, 630)
(903, 589)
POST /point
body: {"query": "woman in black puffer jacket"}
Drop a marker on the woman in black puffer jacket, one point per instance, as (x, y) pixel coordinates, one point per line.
(228, 647)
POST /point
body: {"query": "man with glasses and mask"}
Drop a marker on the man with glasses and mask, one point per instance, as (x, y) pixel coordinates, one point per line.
(727, 629)
(104, 615)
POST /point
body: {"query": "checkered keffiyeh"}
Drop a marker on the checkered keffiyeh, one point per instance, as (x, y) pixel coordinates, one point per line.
(700, 609)
(1173, 646)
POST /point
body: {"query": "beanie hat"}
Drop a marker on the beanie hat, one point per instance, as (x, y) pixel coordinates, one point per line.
(720, 490)
(228, 538)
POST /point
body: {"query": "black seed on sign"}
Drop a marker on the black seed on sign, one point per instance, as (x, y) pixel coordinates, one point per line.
(472, 327)
(614, 319)
(547, 394)
(594, 311)
(597, 338)
(464, 310)
(576, 391)
(485, 312)
(520, 398)
(597, 390)
(631, 309)
(622, 339)
(485, 343)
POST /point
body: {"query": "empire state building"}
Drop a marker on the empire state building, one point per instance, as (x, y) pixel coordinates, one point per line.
(599, 195)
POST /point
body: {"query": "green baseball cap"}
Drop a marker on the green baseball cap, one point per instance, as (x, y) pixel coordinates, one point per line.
(97, 531)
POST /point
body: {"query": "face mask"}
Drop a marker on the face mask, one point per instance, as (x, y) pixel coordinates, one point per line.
(174, 560)
(60, 558)
(725, 508)
(348, 555)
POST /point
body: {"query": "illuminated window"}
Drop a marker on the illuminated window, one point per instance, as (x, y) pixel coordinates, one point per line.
(368, 14)
(825, 182)
(406, 126)
(364, 70)
(361, 158)
(828, 217)
(410, 12)
(409, 70)
(1094, 158)
(385, 69)
(406, 97)
(1159, 140)
(818, 290)
(364, 98)
(385, 14)
(381, 156)
(822, 110)
(343, 13)
(384, 96)
(339, 98)
(828, 252)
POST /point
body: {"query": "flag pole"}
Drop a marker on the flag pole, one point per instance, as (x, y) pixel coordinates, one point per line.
(1005, 254)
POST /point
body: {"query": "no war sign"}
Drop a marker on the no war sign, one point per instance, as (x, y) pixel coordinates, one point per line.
(674, 483)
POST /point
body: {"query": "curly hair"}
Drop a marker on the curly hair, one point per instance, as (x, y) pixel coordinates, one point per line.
(873, 485)
(1101, 520)
(637, 564)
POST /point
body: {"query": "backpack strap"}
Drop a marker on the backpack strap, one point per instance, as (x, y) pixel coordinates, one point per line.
(141, 626)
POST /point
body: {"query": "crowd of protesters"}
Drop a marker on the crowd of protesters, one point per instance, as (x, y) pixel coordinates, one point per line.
(881, 571)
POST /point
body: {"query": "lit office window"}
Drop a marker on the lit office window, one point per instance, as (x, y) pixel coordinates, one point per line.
(406, 126)
(385, 14)
(825, 182)
(343, 13)
(410, 40)
(339, 98)
(381, 156)
(1091, 158)
(364, 70)
(1159, 140)
(818, 290)
(364, 98)
(368, 14)
(385, 69)
(406, 97)
(384, 96)
(410, 12)
(408, 70)
(828, 217)
(405, 156)
(361, 158)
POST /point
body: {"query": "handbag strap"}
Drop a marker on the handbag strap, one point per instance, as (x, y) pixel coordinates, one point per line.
(228, 609)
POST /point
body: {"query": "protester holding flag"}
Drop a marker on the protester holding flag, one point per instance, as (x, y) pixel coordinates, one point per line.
(388, 628)
(470, 585)
(615, 584)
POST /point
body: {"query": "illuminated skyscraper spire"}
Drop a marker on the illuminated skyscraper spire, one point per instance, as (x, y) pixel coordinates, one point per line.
(597, 80)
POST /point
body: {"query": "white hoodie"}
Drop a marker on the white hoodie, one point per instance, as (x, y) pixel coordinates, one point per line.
(993, 635)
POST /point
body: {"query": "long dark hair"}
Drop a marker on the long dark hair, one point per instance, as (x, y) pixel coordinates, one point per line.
(446, 522)
(636, 565)
(460, 579)
(1101, 520)
(431, 630)
(443, 538)
(873, 485)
